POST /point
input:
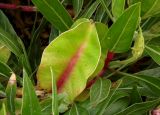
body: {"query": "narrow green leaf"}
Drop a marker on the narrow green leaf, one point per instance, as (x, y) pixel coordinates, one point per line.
(55, 13)
(12, 45)
(77, 110)
(34, 52)
(10, 39)
(105, 5)
(152, 82)
(139, 108)
(117, 7)
(117, 106)
(155, 72)
(90, 10)
(30, 104)
(119, 36)
(99, 14)
(46, 106)
(77, 5)
(3, 110)
(118, 95)
(150, 8)
(100, 109)
(72, 66)
(4, 53)
(99, 91)
(154, 52)
(135, 96)
(54, 95)
(11, 94)
(5, 70)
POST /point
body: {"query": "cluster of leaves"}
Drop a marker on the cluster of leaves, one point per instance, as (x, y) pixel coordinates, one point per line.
(79, 54)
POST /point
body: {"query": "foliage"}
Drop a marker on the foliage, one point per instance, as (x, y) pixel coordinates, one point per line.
(77, 74)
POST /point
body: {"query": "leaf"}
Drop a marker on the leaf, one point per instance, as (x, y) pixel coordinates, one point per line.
(4, 53)
(3, 110)
(152, 82)
(30, 104)
(120, 34)
(99, 14)
(155, 72)
(54, 95)
(34, 52)
(46, 106)
(89, 12)
(135, 96)
(137, 49)
(117, 106)
(77, 110)
(101, 29)
(150, 8)
(117, 7)
(154, 52)
(5, 70)
(77, 6)
(105, 4)
(99, 91)
(10, 39)
(139, 108)
(73, 65)
(100, 108)
(55, 13)
(11, 94)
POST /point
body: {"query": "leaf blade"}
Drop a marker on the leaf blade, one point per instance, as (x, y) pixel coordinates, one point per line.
(55, 13)
(30, 104)
(119, 37)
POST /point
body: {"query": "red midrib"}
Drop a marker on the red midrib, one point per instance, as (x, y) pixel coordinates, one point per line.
(69, 68)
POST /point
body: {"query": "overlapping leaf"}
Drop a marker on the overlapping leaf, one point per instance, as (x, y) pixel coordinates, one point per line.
(117, 7)
(11, 94)
(55, 13)
(4, 53)
(120, 34)
(73, 56)
(154, 52)
(30, 104)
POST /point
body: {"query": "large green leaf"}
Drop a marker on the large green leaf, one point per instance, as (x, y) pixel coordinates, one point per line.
(154, 52)
(117, 7)
(11, 94)
(73, 56)
(139, 108)
(55, 13)
(99, 91)
(119, 36)
(4, 53)
(30, 104)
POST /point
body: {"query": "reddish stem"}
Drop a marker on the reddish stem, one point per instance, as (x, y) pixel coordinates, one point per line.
(14, 6)
(110, 56)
